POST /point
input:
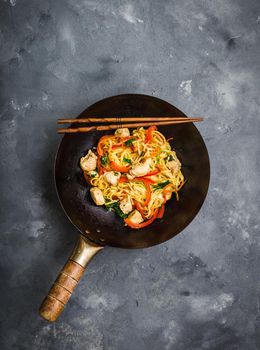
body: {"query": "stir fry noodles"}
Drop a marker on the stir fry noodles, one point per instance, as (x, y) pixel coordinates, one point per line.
(133, 174)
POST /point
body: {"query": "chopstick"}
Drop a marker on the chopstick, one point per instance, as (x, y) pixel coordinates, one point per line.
(119, 120)
(130, 125)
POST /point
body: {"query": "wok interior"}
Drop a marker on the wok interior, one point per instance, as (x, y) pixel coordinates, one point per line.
(104, 227)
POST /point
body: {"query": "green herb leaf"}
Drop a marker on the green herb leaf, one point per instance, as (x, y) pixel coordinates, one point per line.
(111, 204)
(161, 185)
(104, 160)
(170, 158)
(126, 160)
(115, 206)
(129, 142)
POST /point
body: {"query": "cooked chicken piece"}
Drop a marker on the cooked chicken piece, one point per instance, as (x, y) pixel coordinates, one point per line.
(142, 169)
(168, 195)
(112, 177)
(130, 177)
(174, 166)
(136, 217)
(167, 192)
(89, 162)
(126, 205)
(97, 196)
(160, 196)
(122, 132)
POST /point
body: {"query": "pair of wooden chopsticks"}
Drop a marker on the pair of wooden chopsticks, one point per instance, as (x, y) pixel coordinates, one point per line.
(143, 121)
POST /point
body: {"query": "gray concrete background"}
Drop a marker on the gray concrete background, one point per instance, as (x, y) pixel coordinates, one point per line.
(197, 291)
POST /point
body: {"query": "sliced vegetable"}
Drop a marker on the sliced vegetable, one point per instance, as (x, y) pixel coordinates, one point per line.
(123, 179)
(143, 224)
(123, 142)
(125, 138)
(104, 160)
(158, 156)
(121, 169)
(153, 172)
(117, 146)
(139, 208)
(129, 142)
(161, 212)
(127, 160)
(149, 134)
(102, 139)
(156, 152)
(161, 185)
(100, 169)
(150, 181)
(92, 174)
(115, 207)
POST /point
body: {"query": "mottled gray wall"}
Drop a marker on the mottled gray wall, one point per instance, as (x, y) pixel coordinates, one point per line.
(197, 291)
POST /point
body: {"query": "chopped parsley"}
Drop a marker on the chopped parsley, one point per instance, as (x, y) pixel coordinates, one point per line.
(115, 207)
(127, 160)
(161, 185)
(129, 142)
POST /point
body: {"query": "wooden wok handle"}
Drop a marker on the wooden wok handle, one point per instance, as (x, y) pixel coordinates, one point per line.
(66, 282)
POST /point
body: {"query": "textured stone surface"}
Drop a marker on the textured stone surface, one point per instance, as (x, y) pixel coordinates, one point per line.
(197, 291)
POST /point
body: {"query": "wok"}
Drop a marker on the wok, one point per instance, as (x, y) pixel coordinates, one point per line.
(99, 228)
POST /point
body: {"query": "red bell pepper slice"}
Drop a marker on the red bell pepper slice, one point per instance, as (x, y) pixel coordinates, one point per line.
(123, 179)
(147, 180)
(161, 212)
(102, 139)
(139, 208)
(149, 133)
(153, 172)
(100, 169)
(121, 169)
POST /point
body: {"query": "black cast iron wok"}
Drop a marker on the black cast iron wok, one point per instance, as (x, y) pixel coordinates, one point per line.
(99, 227)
